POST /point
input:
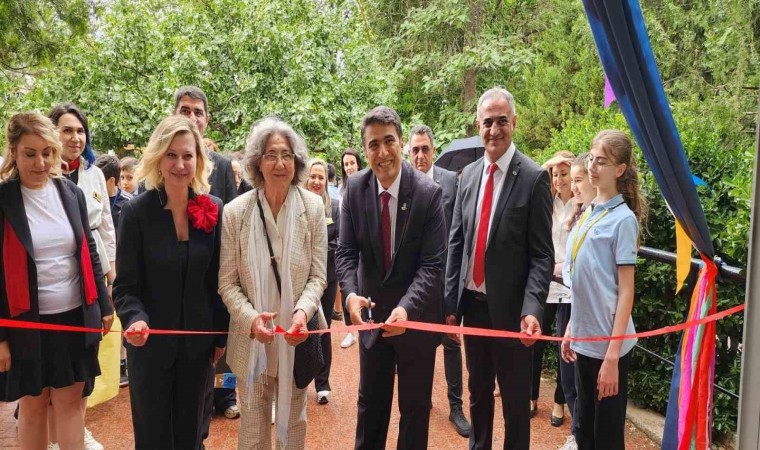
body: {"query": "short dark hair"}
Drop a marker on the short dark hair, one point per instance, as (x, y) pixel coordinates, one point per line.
(422, 130)
(128, 164)
(69, 108)
(330, 172)
(382, 115)
(109, 165)
(192, 92)
(352, 152)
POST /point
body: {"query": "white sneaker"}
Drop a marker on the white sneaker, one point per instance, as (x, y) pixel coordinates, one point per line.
(89, 441)
(53, 446)
(323, 397)
(569, 444)
(348, 341)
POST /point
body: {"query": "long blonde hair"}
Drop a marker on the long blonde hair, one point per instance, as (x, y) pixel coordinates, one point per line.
(29, 123)
(169, 128)
(619, 148)
(325, 196)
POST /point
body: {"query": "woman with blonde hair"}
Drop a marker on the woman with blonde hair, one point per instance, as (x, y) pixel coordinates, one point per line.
(51, 274)
(316, 182)
(274, 251)
(168, 259)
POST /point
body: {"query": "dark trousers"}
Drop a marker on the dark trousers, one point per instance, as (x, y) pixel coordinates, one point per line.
(452, 365)
(322, 380)
(601, 424)
(167, 394)
(413, 353)
(567, 369)
(217, 399)
(550, 312)
(509, 362)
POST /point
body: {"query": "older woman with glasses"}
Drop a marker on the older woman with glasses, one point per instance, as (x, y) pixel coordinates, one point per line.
(274, 251)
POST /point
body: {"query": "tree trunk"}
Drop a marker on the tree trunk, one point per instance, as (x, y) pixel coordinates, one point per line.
(470, 82)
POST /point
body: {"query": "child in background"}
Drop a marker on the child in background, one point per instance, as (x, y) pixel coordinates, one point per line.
(127, 181)
(109, 165)
(599, 265)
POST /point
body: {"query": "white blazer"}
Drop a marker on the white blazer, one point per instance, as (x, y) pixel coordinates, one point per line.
(93, 184)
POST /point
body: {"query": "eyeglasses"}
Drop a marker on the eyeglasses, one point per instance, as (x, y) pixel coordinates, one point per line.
(286, 158)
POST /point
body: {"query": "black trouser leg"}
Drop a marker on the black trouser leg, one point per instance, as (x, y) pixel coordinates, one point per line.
(322, 380)
(601, 424)
(415, 365)
(191, 388)
(208, 400)
(567, 369)
(481, 381)
(452, 364)
(550, 311)
(377, 366)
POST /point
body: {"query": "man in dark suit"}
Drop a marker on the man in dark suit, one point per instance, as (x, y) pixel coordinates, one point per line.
(421, 154)
(498, 271)
(392, 249)
(191, 102)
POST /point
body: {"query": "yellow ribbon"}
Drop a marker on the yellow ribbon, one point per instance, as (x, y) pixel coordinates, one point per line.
(580, 238)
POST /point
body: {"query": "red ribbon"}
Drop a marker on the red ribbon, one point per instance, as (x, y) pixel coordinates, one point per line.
(412, 325)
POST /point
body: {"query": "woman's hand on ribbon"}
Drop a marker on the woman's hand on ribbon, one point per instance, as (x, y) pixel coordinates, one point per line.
(607, 381)
(5, 356)
(262, 327)
(397, 315)
(107, 323)
(137, 333)
(451, 320)
(297, 332)
(529, 326)
(354, 305)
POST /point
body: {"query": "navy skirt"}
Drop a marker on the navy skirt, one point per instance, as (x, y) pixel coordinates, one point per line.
(65, 361)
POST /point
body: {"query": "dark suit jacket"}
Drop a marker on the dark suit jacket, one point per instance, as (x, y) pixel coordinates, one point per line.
(148, 282)
(333, 231)
(414, 279)
(447, 180)
(222, 178)
(25, 343)
(519, 258)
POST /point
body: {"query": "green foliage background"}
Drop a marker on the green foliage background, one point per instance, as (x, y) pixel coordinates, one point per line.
(321, 64)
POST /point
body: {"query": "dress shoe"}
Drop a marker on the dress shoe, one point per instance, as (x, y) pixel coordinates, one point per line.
(460, 422)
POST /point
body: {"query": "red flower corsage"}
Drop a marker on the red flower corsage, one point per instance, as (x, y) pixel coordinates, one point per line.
(203, 213)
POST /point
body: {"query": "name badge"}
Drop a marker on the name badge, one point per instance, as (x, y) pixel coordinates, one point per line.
(330, 221)
(96, 195)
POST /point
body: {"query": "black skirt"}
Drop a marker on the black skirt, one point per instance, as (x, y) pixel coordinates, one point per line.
(65, 361)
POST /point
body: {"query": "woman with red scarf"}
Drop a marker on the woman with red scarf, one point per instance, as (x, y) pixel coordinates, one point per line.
(51, 273)
(168, 260)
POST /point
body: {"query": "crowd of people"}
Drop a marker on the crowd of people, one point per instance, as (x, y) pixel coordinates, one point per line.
(187, 239)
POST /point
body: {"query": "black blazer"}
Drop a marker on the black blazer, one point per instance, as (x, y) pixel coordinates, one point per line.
(25, 343)
(222, 178)
(414, 279)
(333, 231)
(520, 254)
(447, 180)
(148, 282)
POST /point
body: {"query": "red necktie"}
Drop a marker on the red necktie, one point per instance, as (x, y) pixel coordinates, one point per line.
(478, 269)
(385, 220)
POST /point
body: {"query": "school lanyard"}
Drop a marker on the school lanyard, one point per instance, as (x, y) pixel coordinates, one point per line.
(580, 238)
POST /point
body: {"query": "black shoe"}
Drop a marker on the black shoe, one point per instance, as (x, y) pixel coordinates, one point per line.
(337, 315)
(123, 378)
(557, 421)
(460, 422)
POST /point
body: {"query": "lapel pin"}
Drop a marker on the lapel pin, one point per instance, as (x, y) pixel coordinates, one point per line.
(514, 172)
(403, 207)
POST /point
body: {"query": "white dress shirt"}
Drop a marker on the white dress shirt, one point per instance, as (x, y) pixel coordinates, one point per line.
(502, 165)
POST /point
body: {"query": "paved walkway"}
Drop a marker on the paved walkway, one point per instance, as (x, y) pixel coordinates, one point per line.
(330, 426)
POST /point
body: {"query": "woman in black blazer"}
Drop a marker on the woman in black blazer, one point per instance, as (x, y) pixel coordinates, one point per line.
(316, 182)
(50, 273)
(168, 259)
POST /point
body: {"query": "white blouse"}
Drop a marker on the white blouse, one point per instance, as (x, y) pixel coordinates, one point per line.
(58, 281)
(561, 212)
(92, 182)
